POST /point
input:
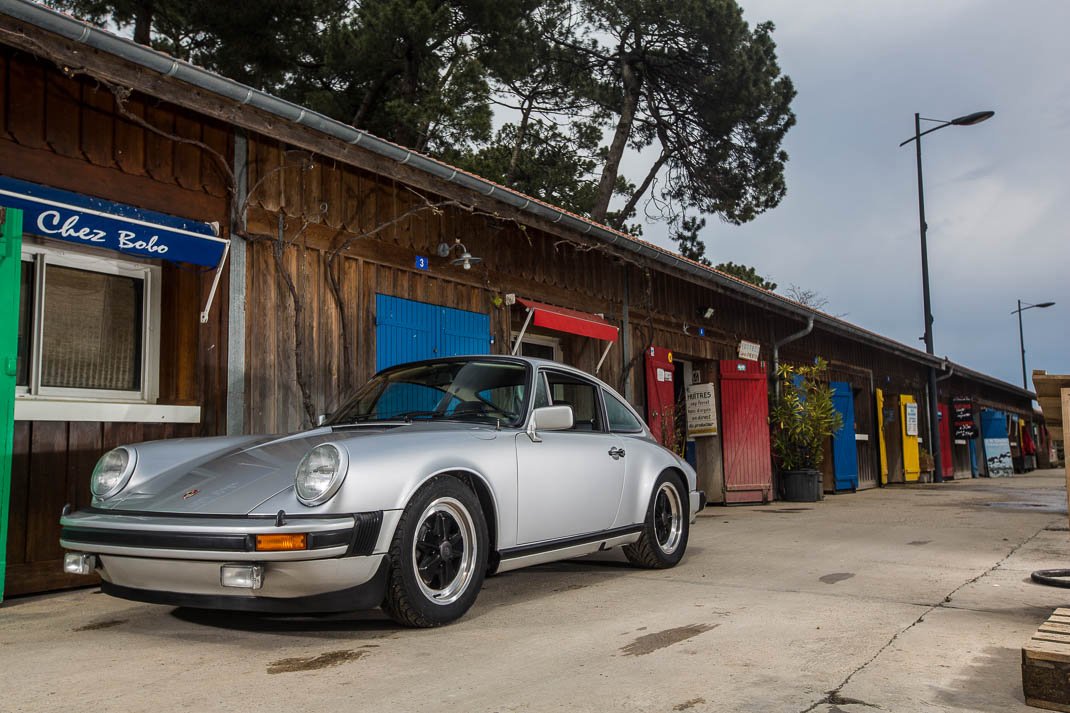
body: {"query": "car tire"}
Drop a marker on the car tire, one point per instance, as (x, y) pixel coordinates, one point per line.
(438, 556)
(666, 526)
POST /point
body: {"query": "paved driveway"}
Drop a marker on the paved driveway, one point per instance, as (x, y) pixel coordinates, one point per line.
(902, 599)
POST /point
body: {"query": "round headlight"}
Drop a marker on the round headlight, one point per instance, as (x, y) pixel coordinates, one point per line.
(111, 473)
(320, 473)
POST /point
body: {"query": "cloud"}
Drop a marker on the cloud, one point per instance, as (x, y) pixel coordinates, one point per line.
(997, 196)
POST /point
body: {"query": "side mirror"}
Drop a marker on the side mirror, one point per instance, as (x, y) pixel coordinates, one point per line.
(320, 419)
(549, 418)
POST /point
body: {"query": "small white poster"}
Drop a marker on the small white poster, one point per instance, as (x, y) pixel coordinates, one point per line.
(749, 350)
(911, 411)
(701, 411)
(998, 454)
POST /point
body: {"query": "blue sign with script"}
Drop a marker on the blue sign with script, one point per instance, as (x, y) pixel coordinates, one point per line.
(422, 262)
(52, 213)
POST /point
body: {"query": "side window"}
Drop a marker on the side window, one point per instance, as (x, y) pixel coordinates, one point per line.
(582, 396)
(619, 416)
(542, 394)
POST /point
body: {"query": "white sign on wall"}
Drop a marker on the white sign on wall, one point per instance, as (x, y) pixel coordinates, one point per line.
(998, 454)
(701, 411)
(911, 411)
(749, 350)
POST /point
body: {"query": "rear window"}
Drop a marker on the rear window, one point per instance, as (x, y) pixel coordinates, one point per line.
(620, 417)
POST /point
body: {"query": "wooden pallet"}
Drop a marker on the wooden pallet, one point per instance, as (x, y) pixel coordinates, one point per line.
(1046, 664)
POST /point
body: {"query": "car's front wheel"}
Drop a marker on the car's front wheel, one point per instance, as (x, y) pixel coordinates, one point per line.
(438, 556)
(665, 528)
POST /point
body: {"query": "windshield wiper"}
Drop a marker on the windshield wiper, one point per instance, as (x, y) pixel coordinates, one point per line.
(408, 416)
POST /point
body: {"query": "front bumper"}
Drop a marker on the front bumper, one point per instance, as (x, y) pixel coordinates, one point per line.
(289, 588)
(698, 503)
(171, 559)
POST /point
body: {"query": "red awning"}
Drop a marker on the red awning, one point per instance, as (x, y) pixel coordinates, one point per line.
(561, 319)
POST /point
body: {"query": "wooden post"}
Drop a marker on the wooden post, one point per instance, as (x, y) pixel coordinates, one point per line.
(1065, 400)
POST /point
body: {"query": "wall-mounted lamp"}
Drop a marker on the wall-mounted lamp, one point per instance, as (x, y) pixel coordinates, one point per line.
(705, 312)
(466, 259)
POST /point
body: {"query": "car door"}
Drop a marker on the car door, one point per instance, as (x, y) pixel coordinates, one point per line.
(569, 482)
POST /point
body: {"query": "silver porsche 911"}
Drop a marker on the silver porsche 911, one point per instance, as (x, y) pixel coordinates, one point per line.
(432, 476)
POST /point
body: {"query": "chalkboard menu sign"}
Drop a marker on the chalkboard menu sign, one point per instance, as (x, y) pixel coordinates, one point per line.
(964, 427)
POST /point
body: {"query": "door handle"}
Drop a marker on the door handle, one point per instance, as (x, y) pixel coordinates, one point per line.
(616, 453)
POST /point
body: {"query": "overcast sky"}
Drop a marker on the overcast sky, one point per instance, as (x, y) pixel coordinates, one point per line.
(997, 194)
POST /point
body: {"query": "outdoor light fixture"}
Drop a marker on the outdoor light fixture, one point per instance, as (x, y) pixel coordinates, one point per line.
(1021, 335)
(934, 413)
(465, 260)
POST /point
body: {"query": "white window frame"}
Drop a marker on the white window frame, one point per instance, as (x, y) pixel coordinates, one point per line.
(543, 340)
(43, 253)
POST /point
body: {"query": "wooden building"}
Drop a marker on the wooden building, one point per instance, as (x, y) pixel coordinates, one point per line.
(333, 270)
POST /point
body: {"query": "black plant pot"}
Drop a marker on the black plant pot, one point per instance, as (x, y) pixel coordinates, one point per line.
(801, 486)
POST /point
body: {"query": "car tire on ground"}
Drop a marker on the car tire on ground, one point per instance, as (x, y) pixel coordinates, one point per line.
(438, 556)
(665, 528)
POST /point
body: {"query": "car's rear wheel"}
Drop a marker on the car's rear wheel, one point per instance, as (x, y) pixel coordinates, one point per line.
(438, 555)
(665, 528)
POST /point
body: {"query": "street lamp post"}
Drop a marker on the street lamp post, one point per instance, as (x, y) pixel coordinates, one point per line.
(1021, 334)
(934, 409)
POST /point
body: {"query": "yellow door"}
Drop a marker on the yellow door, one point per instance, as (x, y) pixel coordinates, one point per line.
(880, 437)
(908, 413)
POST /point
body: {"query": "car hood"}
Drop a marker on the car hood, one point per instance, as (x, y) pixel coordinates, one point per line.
(238, 479)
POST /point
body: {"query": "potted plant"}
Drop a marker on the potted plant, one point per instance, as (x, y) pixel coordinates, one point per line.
(802, 418)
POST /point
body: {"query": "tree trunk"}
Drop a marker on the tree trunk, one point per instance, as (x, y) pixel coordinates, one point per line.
(521, 133)
(632, 85)
(371, 97)
(641, 190)
(143, 22)
(407, 135)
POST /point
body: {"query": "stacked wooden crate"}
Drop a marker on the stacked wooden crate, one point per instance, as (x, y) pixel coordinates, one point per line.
(1046, 664)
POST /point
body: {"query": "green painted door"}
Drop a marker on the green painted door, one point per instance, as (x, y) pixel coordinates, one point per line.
(10, 278)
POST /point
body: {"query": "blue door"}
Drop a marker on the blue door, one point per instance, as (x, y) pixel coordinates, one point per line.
(844, 450)
(997, 444)
(406, 330)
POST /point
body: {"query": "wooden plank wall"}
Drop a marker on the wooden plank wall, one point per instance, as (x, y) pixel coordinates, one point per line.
(324, 205)
(70, 133)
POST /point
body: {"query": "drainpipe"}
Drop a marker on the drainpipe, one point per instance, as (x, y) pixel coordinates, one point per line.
(790, 338)
(949, 368)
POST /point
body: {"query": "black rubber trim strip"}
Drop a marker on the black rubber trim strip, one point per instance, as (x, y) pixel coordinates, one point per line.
(159, 540)
(514, 552)
(334, 538)
(365, 533)
(364, 596)
(212, 542)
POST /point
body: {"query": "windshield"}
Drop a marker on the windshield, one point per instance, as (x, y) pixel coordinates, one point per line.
(484, 391)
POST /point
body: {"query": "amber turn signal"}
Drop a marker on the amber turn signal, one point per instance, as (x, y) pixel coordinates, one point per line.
(281, 543)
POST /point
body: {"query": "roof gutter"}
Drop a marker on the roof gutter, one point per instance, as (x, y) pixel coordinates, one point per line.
(104, 41)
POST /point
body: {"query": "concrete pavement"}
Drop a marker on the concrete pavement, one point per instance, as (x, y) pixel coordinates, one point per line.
(905, 599)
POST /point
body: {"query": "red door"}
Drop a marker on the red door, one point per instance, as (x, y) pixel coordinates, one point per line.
(946, 456)
(748, 467)
(659, 396)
